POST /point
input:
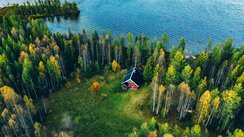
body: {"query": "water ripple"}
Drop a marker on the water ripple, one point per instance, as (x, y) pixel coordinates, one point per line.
(195, 20)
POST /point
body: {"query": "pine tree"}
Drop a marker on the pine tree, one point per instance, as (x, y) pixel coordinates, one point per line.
(196, 77)
(187, 74)
(178, 60)
(230, 102)
(149, 69)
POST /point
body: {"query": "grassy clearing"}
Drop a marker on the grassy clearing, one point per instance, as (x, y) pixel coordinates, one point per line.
(82, 113)
(112, 112)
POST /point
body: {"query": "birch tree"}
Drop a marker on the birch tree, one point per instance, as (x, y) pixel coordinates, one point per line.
(196, 77)
(240, 79)
(162, 65)
(137, 53)
(201, 87)
(10, 98)
(85, 57)
(233, 76)
(161, 58)
(168, 99)
(214, 108)
(115, 66)
(230, 102)
(29, 104)
(155, 54)
(171, 75)
(103, 41)
(116, 49)
(42, 73)
(109, 58)
(154, 86)
(185, 100)
(128, 52)
(37, 128)
(221, 72)
(202, 108)
(56, 67)
(161, 91)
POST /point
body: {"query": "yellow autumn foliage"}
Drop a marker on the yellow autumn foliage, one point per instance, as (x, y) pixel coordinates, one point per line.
(55, 64)
(8, 94)
(115, 66)
(96, 86)
(152, 134)
(168, 135)
(29, 104)
(202, 109)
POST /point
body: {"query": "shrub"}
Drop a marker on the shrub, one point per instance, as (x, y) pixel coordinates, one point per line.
(68, 85)
(77, 80)
(152, 134)
(104, 96)
(168, 135)
(66, 121)
(96, 86)
(101, 78)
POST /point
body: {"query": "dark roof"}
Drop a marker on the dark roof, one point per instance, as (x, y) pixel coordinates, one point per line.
(134, 75)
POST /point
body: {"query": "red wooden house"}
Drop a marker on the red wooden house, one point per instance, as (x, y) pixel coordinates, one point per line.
(133, 79)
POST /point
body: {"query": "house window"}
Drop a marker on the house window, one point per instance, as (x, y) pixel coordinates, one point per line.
(124, 87)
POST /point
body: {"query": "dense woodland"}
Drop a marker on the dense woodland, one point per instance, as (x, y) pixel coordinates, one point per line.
(40, 9)
(205, 89)
(154, 129)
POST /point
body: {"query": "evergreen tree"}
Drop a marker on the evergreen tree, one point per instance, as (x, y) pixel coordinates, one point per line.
(230, 102)
(149, 69)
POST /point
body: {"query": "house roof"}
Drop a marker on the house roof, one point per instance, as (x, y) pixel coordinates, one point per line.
(133, 75)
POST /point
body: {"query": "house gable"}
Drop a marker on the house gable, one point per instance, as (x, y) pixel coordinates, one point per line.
(132, 79)
(132, 85)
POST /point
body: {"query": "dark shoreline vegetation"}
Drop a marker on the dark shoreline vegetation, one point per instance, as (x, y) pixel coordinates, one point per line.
(55, 84)
(42, 9)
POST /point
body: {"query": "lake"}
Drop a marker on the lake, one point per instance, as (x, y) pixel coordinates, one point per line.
(195, 20)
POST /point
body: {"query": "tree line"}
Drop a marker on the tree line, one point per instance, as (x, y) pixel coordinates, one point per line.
(35, 62)
(154, 129)
(46, 8)
(206, 88)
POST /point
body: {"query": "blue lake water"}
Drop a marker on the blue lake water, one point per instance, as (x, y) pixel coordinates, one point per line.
(195, 20)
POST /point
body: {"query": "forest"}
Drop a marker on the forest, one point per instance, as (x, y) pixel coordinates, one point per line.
(42, 9)
(198, 92)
